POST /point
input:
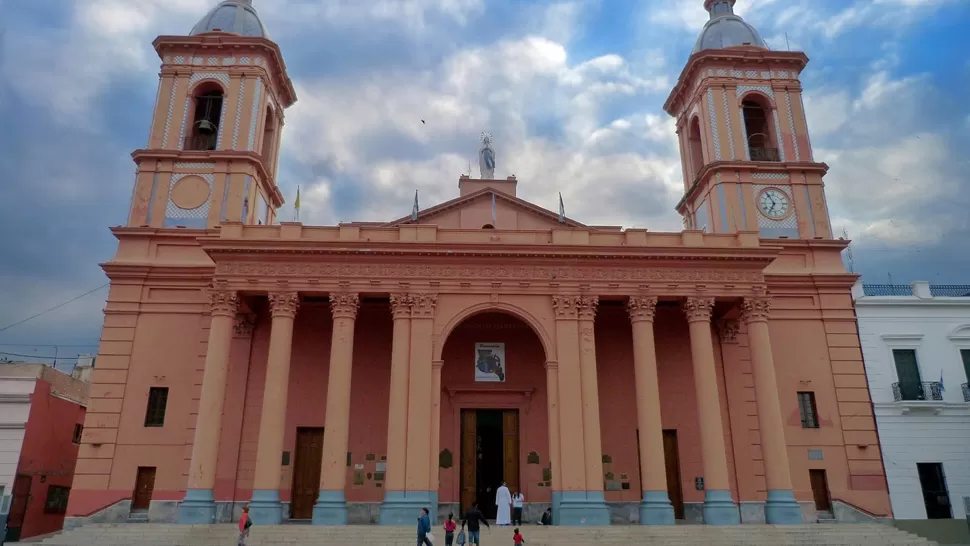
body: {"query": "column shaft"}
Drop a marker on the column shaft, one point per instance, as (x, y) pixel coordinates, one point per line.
(719, 507)
(655, 508)
(552, 410)
(199, 503)
(592, 440)
(418, 480)
(572, 466)
(435, 423)
(331, 505)
(781, 507)
(265, 507)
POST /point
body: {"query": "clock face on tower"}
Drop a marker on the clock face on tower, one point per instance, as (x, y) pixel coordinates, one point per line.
(773, 203)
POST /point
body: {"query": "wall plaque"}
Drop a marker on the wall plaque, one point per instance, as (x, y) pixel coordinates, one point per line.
(490, 365)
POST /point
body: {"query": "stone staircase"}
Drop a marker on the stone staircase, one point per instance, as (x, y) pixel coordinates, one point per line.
(680, 535)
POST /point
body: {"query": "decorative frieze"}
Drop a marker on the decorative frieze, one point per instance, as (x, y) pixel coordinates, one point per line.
(699, 309)
(642, 308)
(284, 304)
(344, 305)
(755, 309)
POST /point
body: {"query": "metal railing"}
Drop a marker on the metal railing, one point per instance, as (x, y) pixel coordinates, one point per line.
(950, 290)
(966, 392)
(926, 391)
(764, 154)
(200, 142)
(887, 289)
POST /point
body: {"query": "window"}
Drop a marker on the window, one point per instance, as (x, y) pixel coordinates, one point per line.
(157, 400)
(907, 370)
(56, 502)
(761, 143)
(695, 148)
(78, 429)
(205, 124)
(806, 407)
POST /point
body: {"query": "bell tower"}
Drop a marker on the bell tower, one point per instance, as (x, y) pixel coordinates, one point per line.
(214, 142)
(744, 144)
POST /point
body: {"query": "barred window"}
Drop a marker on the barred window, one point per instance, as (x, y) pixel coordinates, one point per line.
(157, 401)
(806, 407)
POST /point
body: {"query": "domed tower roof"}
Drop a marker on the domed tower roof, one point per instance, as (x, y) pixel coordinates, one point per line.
(725, 29)
(233, 16)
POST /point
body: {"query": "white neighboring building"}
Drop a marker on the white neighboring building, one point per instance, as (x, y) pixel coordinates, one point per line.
(916, 347)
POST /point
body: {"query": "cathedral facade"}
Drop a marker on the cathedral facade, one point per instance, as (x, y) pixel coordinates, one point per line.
(360, 372)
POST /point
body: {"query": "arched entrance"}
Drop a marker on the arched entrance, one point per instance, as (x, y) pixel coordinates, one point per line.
(494, 419)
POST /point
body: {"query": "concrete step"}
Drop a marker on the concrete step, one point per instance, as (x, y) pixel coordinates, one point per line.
(681, 535)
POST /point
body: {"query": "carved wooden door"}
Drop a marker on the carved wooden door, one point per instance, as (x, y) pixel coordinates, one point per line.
(510, 448)
(675, 489)
(469, 458)
(306, 472)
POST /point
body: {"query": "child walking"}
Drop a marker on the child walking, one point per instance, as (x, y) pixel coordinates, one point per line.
(244, 524)
(518, 538)
(450, 527)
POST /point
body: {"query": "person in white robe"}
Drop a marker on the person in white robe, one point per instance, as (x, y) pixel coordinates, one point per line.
(503, 500)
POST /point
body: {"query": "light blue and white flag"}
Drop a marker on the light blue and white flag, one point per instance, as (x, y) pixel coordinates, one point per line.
(493, 209)
(942, 388)
(414, 210)
(562, 210)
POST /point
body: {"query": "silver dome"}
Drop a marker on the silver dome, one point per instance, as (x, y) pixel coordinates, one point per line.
(725, 29)
(234, 16)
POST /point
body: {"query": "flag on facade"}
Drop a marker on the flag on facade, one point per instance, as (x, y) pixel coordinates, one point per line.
(414, 210)
(296, 204)
(942, 388)
(493, 209)
(562, 210)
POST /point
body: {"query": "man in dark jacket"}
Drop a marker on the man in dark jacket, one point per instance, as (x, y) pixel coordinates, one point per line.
(472, 519)
(424, 527)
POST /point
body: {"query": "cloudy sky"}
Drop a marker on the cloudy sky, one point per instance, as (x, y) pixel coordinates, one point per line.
(571, 90)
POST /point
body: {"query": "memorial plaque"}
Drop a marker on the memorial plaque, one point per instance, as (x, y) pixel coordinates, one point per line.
(699, 483)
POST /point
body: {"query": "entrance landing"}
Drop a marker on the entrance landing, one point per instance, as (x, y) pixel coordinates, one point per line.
(679, 535)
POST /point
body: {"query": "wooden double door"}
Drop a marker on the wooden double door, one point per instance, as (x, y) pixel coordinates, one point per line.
(489, 456)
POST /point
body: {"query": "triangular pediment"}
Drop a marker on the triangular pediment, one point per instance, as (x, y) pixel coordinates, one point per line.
(475, 211)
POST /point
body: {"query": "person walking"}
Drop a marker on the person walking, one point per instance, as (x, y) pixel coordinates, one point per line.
(244, 524)
(473, 518)
(518, 502)
(424, 528)
(450, 527)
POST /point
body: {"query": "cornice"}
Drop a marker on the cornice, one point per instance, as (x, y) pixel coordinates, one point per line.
(140, 271)
(753, 166)
(741, 55)
(227, 41)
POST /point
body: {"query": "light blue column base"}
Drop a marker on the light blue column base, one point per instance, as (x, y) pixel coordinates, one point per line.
(404, 507)
(655, 509)
(198, 507)
(782, 508)
(434, 508)
(583, 508)
(265, 507)
(720, 509)
(556, 502)
(330, 508)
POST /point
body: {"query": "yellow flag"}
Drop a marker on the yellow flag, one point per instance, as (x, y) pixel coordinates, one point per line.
(296, 204)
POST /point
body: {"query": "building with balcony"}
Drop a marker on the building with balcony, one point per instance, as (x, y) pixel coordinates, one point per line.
(916, 346)
(356, 373)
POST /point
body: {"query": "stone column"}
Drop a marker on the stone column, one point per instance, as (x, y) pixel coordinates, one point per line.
(395, 510)
(655, 508)
(571, 469)
(199, 503)
(781, 507)
(552, 409)
(331, 505)
(598, 513)
(265, 507)
(719, 507)
(435, 435)
(417, 479)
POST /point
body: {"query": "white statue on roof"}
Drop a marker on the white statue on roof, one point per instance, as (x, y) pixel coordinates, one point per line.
(486, 157)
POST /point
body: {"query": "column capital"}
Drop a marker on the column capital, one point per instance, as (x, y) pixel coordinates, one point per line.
(728, 330)
(699, 309)
(755, 309)
(222, 302)
(344, 305)
(642, 308)
(587, 307)
(284, 304)
(423, 305)
(401, 305)
(243, 327)
(566, 306)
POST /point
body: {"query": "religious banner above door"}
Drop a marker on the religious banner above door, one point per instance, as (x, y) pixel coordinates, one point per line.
(490, 362)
